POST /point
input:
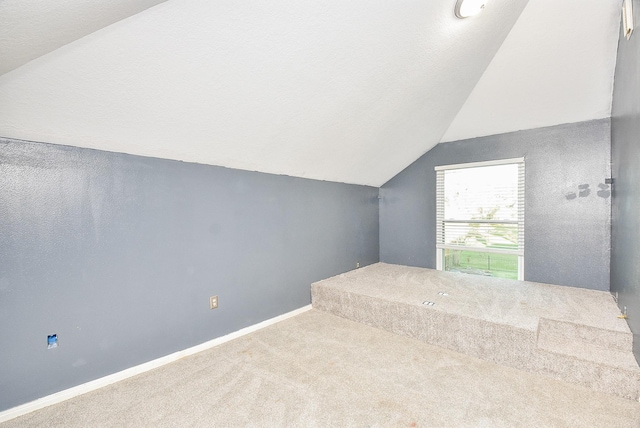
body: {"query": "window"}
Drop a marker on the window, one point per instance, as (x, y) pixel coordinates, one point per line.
(480, 218)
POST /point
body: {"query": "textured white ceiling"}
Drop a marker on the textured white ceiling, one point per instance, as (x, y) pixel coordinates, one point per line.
(556, 66)
(348, 91)
(32, 28)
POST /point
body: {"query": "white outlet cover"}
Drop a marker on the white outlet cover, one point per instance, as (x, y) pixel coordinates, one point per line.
(213, 302)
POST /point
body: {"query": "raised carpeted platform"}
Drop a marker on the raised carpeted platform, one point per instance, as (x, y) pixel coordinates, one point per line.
(567, 333)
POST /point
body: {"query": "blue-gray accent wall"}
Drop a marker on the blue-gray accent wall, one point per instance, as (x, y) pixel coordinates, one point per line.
(567, 203)
(118, 255)
(625, 148)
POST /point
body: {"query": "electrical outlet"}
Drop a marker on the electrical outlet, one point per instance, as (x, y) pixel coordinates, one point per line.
(213, 302)
(358, 265)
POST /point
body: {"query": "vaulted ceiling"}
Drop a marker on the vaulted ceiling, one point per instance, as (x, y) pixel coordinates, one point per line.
(342, 91)
(555, 66)
(30, 29)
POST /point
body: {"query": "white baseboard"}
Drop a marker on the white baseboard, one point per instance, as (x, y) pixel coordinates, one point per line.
(132, 371)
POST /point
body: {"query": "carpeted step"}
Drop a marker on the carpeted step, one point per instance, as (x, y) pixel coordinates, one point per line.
(560, 332)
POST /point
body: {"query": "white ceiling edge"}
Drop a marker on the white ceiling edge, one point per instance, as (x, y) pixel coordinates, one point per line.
(348, 92)
(32, 28)
(556, 66)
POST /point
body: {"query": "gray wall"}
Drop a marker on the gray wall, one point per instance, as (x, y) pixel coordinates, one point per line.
(567, 232)
(625, 147)
(119, 254)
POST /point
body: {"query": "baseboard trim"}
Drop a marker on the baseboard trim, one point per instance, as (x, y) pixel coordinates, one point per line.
(66, 394)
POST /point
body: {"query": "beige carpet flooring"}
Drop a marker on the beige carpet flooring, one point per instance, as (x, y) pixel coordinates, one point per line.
(318, 370)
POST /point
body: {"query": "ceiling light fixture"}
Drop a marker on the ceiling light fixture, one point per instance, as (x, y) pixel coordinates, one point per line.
(467, 8)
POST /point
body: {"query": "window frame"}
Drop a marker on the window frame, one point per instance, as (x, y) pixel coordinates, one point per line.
(441, 247)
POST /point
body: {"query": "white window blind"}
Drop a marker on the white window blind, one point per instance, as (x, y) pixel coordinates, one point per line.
(480, 207)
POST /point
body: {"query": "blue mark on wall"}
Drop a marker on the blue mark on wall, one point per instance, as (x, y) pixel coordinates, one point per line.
(52, 341)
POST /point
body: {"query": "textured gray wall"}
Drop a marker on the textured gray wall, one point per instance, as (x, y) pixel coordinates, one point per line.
(625, 147)
(567, 229)
(119, 254)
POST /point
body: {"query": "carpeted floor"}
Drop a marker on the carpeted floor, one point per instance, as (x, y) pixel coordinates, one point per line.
(318, 370)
